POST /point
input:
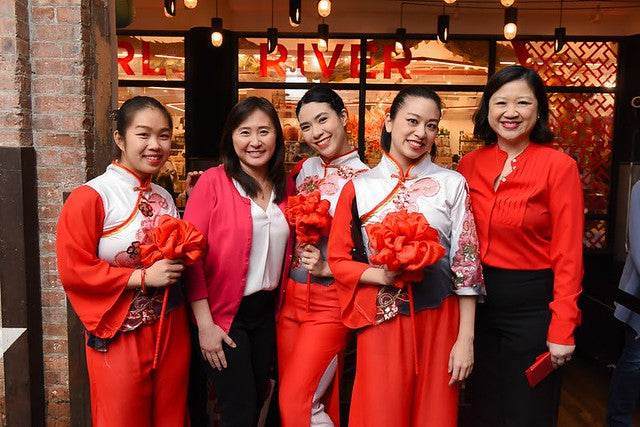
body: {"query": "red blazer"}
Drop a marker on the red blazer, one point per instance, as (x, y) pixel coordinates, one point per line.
(220, 213)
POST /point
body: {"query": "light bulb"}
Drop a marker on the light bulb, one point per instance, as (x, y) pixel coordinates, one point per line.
(507, 3)
(190, 4)
(322, 45)
(324, 8)
(399, 47)
(167, 14)
(216, 39)
(449, 1)
(510, 31)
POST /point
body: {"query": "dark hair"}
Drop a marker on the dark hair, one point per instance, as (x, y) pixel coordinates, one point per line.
(540, 132)
(239, 113)
(398, 103)
(127, 111)
(322, 94)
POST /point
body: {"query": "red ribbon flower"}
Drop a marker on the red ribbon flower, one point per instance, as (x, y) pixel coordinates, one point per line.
(173, 238)
(309, 214)
(405, 241)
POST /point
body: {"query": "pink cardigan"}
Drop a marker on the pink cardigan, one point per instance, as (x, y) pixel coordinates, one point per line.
(217, 209)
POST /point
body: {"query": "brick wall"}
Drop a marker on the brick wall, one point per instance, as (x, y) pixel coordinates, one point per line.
(56, 90)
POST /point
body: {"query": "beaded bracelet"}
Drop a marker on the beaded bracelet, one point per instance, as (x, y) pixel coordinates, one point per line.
(143, 288)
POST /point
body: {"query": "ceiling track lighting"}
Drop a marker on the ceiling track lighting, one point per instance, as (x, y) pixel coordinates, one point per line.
(272, 34)
(323, 37)
(560, 33)
(190, 4)
(169, 8)
(295, 12)
(324, 8)
(443, 28)
(510, 23)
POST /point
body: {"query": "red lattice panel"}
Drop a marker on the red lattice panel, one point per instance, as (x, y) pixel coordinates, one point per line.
(583, 124)
(595, 234)
(593, 64)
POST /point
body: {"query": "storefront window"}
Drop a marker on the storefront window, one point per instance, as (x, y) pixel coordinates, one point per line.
(298, 61)
(458, 62)
(593, 64)
(150, 58)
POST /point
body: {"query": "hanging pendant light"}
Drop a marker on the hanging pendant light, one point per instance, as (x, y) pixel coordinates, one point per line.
(169, 8)
(560, 34)
(323, 37)
(507, 3)
(272, 34)
(216, 29)
(401, 34)
(510, 23)
(450, 1)
(324, 8)
(190, 4)
(443, 28)
(295, 12)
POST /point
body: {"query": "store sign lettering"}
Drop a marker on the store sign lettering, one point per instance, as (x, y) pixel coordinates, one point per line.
(146, 69)
(281, 55)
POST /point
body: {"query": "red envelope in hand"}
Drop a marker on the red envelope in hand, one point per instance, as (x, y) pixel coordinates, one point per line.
(540, 369)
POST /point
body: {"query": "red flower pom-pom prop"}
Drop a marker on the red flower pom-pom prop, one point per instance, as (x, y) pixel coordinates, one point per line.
(309, 214)
(173, 238)
(405, 241)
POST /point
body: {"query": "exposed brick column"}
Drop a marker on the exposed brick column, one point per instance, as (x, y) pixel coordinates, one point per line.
(71, 57)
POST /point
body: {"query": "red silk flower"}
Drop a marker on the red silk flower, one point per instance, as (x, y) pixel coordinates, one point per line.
(173, 238)
(309, 214)
(405, 241)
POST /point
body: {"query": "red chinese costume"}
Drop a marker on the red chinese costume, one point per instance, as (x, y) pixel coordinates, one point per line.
(100, 230)
(387, 389)
(311, 335)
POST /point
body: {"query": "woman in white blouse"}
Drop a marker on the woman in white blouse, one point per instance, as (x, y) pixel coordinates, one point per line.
(235, 291)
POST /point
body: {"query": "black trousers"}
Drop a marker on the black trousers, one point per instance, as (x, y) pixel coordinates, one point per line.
(511, 331)
(242, 387)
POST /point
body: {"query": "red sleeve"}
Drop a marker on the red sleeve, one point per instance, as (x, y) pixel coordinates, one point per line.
(295, 170)
(97, 290)
(566, 205)
(357, 301)
(198, 213)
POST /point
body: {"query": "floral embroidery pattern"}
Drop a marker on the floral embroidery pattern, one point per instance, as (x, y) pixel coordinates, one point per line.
(466, 262)
(330, 184)
(308, 185)
(387, 302)
(407, 196)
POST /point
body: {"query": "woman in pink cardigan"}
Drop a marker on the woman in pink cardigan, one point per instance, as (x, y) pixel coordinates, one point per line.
(236, 290)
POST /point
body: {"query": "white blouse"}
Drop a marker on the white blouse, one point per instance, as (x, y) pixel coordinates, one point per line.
(269, 237)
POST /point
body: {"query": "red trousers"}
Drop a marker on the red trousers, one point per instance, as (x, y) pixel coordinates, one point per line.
(387, 392)
(307, 342)
(124, 389)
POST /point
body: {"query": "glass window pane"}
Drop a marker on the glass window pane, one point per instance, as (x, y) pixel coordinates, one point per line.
(298, 60)
(578, 64)
(173, 99)
(150, 58)
(428, 62)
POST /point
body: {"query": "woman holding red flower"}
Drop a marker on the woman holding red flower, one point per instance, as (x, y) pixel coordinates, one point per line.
(415, 311)
(235, 291)
(101, 230)
(311, 336)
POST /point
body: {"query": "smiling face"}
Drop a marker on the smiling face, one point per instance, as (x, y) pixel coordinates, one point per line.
(254, 141)
(145, 144)
(413, 130)
(323, 129)
(513, 112)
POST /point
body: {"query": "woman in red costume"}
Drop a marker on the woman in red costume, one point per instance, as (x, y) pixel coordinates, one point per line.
(528, 202)
(235, 291)
(100, 230)
(409, 361)
(311, 335)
